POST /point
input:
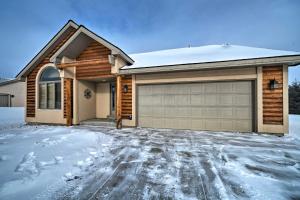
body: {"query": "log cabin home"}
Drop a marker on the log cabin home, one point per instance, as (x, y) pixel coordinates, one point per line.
(79, 76)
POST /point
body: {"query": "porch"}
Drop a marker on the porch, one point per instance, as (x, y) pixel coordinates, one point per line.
(95, 101)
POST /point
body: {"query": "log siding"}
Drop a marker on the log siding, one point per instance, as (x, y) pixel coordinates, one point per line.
(66, 101)
(93, 62)
(31, 78)
(273, 99)
(127, 97)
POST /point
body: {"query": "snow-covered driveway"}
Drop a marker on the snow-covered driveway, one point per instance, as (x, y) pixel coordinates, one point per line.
(52, 162)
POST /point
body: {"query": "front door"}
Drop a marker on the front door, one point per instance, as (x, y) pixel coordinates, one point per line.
(112, 99)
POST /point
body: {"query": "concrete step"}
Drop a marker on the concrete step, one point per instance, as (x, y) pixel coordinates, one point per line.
(99, 122)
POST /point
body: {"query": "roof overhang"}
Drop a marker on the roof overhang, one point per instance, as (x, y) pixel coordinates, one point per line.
(7, 82)
(40, 54)
(80, 40)
(266, 61)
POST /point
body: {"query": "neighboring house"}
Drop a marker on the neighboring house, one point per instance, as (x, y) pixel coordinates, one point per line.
(79, 76)
(12, 93)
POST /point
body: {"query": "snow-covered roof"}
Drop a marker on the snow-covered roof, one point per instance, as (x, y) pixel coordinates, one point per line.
(202, 54)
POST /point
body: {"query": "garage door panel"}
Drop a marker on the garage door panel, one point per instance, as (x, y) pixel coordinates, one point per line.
(176, 89)
(197, 124)
(210, 100)
(217, 106)
(242, 87)
(212, 124)
(145, 101)
(242, 100)
(226, 87)
(227, 125)
(145, 121)
(197, 112)
(178, 123)
(243, 113)
(225, 100)
(242, 125)
(145, 90)
(227, 113)
(171, 112)
(158, 111)
(157, 89)
(211, 113)
(196, 89)
(145, 111)
(182, 100)
(169, 100)
(197, 99)
(210, 88)
(158, 122)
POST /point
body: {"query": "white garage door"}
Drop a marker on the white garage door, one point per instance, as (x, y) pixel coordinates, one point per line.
(216, 106)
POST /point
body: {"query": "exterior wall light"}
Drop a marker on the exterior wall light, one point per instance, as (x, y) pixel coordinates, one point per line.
(125, 88)
(273, 84)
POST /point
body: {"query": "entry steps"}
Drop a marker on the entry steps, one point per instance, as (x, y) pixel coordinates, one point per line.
(99, 122)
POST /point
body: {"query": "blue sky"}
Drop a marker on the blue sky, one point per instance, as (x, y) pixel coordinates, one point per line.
(147, 25)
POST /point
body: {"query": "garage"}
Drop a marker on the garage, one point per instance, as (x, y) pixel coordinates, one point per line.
(4, 100)
(214, 106)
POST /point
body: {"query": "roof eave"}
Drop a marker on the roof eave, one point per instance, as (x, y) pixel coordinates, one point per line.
(278, 60)
(22, 73)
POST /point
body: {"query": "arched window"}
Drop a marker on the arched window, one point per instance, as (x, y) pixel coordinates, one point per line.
(50, 89)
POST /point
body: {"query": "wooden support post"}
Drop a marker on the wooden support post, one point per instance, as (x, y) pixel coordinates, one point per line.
(119, 102)
(68, 93)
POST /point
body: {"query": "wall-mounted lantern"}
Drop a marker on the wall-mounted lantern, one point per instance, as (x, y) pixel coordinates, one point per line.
(125, 88)
(273, 84)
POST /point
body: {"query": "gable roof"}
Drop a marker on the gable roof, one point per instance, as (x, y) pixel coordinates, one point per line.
(115, 50)
(80, 29)
(40, 54)
(202, 54)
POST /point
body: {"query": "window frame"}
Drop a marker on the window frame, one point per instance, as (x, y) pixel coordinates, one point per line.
(46, 83)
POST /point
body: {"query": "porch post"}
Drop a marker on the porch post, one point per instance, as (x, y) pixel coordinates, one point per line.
(119, 102)
(68, 98)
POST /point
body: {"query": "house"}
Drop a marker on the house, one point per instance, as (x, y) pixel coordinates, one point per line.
(79, 76)
(12, 93)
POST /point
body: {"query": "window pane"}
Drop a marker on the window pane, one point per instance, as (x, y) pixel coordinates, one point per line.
(50, 74)
(42, 96)
(51, 95)
(57, 95)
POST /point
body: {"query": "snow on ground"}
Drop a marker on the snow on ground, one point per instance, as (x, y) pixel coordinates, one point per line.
(11, 117)
(55, 162)
(294, 122)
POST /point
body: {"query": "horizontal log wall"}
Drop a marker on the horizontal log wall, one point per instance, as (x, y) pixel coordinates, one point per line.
(273, 99)
(127, 97)
(100, 68)
(65, 98)
(31, 78)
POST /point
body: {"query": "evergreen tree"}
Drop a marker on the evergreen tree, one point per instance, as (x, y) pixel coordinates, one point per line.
(294, 98)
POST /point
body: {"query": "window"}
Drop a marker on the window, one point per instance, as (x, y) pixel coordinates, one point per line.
(50, 89)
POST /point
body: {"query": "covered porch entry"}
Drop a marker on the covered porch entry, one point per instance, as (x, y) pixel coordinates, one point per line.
(96, 101)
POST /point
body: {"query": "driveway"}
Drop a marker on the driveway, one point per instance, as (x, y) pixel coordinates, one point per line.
(46, 162)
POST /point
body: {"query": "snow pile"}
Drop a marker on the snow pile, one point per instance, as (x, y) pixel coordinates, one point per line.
(202, 54)
(11, 117)
(37, 161)
(294, 129)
